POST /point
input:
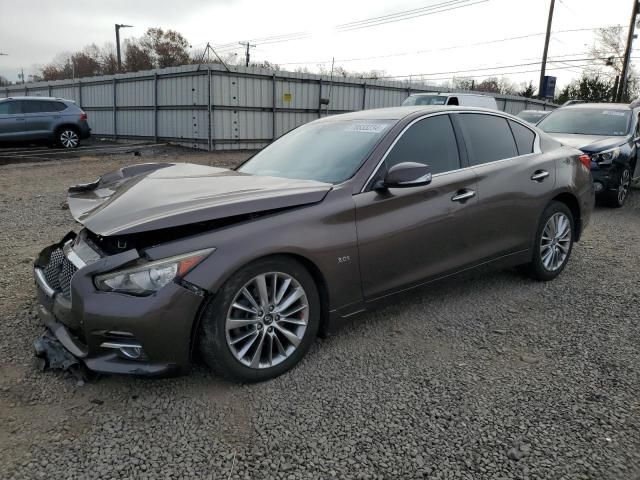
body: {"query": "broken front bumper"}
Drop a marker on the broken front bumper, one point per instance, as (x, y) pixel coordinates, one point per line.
(100, 328)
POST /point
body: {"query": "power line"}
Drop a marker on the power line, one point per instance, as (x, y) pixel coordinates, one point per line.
(433, 10)
(495, 67)
(366, 23)
(453, 47)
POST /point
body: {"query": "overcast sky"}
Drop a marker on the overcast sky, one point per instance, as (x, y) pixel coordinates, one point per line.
(33, 32)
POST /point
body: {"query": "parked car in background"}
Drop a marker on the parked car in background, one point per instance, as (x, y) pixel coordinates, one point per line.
(247, 266)
(458, 99)
(533, 116)
(610, 134)
(56, 120)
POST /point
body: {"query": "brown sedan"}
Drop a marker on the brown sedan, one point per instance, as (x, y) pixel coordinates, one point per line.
(248, 266)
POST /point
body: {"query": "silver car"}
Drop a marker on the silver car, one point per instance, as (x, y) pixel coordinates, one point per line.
(43, 119)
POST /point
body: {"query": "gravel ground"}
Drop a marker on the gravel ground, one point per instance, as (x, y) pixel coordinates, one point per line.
(493, 377)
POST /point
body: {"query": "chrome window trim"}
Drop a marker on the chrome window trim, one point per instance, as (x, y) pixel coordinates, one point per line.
(536, 143)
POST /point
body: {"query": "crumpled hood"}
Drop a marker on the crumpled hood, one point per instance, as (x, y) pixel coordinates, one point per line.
(163, 195)
(588, 143)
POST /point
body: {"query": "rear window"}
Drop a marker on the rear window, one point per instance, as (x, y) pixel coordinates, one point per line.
(588, 121)
(488, 138)
(42, 106)
(531, 117)
(524, 138)
(425, 100)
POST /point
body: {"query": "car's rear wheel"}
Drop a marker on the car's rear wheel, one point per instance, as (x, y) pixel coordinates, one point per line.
(616, 198)
(553, 242)
(68, 138)
(262, 321)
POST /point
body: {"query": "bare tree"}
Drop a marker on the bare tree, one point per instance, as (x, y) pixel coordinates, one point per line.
(4, 82)
(136, 57)
(608, 52)
(168, 48)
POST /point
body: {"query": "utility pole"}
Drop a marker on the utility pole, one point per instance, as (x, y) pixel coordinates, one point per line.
(118, 27)
(21, 75)
(627, 52)
(546, 49)
(247, 55)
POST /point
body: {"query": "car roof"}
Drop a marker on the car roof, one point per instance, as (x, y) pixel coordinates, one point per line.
(428, 94)
(36, 98)
(598, 106)
(398, 113)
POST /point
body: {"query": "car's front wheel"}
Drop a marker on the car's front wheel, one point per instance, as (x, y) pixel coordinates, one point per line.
(68, 138)
(617, 197)
(553, 243)
(262, 321)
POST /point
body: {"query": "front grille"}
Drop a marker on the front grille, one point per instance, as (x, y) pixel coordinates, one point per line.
(59, 272)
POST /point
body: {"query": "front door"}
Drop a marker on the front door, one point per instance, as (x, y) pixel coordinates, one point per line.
(408, 235)
(11, 121)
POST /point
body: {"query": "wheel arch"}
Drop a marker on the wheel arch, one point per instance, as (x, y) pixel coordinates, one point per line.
(308, 264)
(573, 205)
(66, 125)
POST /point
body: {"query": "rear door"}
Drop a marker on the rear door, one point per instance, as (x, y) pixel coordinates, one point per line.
(41, 116)
(406, 235)
(11, 121)
(514, 181)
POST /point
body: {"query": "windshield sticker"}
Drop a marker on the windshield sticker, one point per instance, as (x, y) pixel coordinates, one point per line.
(614, 113)
(367, 127)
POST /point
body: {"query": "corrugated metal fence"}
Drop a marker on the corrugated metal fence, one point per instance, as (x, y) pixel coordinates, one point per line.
(209, 107)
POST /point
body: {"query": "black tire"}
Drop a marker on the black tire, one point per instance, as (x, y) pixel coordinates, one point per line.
(537, 269)
(616, 198)
(212, 337)
(68, 137)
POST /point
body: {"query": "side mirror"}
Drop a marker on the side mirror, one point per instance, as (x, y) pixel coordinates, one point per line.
(407, 174)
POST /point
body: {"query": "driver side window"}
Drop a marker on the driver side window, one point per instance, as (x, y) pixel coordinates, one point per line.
(431, 141)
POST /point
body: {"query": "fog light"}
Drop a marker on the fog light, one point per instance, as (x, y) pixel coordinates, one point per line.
(598, 186)
(134, 353)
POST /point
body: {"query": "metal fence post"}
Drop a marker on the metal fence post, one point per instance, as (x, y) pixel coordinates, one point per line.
(320, 98)
(79, 93)
(48, 90)
(364, 95)
(155, 107)
(273, 107)
(209, 108)
(115, 111)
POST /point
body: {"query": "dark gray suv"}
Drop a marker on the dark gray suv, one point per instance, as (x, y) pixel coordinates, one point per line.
(42, 118)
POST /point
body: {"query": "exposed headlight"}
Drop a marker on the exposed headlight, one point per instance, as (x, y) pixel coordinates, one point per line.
(144, 279)
(606, 157)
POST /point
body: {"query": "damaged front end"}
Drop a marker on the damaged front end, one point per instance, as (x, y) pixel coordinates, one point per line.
(108, 332)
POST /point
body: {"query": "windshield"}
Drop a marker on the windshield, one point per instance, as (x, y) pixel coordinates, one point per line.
(425, 100)
(587, 121)
(328, 152)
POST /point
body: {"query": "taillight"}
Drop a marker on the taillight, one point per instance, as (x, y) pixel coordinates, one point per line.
(83, 116)
(586, 161)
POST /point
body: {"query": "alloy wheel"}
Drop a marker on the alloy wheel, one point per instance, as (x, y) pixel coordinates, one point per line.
(267, 320)
(555, 242)
(623, 186)
(69, 139)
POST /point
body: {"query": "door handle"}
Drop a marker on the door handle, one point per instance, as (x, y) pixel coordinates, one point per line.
(463, 195)
(539, 175)
(20, 119)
